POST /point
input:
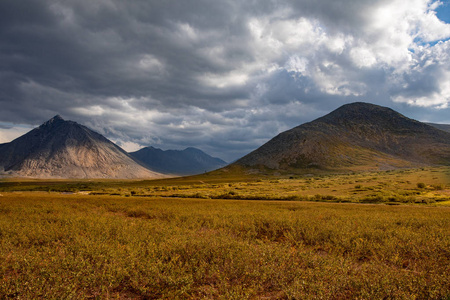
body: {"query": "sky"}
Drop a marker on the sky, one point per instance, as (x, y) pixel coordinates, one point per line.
(223, 76)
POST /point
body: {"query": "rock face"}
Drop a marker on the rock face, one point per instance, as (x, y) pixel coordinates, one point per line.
(189, 161)
(65, 149)
(357, 136)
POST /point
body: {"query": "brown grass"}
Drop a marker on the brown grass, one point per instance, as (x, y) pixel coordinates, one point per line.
(145, 243)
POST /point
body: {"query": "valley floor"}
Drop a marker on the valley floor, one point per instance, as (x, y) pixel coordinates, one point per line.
(176, 239)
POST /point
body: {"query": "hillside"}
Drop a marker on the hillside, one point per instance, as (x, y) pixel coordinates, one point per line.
(357, 136)
(445, 127)
(189, 161)
(66, 149)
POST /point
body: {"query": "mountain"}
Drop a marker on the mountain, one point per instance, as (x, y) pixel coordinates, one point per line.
(181, 162)
(66, 149)
(445, 127)
(357, 136)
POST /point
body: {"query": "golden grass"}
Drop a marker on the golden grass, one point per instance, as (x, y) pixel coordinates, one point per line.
(76, 246)
(151, 241)
(431, 185)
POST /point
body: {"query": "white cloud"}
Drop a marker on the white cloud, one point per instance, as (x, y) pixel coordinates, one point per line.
(235, 78)
(129, 146)
(363, 57)
(439, 99)
(7, 135)
(91, 111)
(296, 64)
(151, 63)
(186, 32)
(338, 43)
(427, 82)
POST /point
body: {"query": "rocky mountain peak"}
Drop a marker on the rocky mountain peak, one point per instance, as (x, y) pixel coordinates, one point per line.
(66, 149)
(53, 121)
(364, 113)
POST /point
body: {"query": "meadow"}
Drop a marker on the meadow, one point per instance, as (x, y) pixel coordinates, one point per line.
(186, 239)
(426, 185)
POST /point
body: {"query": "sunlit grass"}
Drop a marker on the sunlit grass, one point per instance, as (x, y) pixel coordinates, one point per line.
(202, 237)
(411, 186)
(79, 246)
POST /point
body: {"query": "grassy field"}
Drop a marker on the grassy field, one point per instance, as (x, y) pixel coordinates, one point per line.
(429, 186)
(180, 239)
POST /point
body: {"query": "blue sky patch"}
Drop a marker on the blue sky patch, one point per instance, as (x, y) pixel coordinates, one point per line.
(443, 11)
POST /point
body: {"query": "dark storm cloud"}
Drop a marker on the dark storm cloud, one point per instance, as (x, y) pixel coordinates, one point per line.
(340, 14)
(109, 49)
(224, 76)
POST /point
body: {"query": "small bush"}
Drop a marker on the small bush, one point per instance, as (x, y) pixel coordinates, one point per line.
(421, 185)
(438, 187)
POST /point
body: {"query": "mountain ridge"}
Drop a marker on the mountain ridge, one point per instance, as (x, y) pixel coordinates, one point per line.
(189, 161)
(354, 136)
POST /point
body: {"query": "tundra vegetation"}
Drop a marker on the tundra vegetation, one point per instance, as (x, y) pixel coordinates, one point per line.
(229, 237)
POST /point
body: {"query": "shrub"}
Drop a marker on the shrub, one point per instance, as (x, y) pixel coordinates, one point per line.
(438, 187)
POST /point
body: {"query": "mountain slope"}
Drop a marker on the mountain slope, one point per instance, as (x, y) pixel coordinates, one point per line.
(355, 136)
(65, 149)
(182, 162)
(445, 127)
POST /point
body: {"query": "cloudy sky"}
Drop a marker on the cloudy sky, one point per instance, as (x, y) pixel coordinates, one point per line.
(224, 76)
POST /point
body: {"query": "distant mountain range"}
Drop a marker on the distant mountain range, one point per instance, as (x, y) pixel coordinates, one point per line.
(189, 161)
(65, 149)
(357, 136)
